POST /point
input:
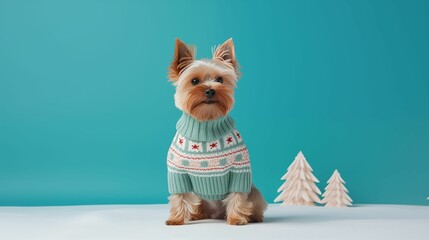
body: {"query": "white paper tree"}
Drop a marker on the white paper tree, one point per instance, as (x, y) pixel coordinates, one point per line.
(336, 194)
(299, 187)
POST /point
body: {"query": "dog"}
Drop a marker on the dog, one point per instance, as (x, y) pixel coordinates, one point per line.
(209, 172)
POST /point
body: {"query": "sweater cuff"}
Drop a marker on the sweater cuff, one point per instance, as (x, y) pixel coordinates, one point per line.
(240, 182)
(178, 183)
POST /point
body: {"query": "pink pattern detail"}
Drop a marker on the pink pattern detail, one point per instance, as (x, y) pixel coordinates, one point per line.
(213, 157)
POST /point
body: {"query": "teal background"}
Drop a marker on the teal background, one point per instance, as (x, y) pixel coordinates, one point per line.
(87, 114)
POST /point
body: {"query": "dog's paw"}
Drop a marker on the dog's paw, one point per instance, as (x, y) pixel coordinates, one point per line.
(256, 219)
(237, 221)
(172, 222)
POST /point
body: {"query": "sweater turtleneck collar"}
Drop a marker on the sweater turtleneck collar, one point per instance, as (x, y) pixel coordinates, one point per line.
(193, 129)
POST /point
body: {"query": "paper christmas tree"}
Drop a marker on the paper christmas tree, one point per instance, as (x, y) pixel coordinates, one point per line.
(336, 195)
(299, 187)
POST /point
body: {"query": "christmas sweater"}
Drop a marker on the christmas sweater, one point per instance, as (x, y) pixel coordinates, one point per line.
(208, 158)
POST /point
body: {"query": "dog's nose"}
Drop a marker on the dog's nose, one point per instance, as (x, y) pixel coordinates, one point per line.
(209, 93)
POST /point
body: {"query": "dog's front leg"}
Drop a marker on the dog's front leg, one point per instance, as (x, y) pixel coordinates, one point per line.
(238, 208)
(182, 206)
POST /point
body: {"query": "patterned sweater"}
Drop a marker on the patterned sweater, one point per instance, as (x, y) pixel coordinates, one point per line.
(208, 158)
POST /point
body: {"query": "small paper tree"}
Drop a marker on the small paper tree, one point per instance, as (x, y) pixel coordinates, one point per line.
(299, 187)
(336, 194)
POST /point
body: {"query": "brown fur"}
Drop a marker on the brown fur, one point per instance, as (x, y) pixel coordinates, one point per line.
(226, 53)
(185, 205)
(183, 56)
(237, 208)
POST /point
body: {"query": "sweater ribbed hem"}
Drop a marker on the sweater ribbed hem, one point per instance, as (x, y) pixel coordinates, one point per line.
(210, 130)
(240, 182)
(210, 188)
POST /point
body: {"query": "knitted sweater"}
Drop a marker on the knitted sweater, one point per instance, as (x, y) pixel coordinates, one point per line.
(208, 158)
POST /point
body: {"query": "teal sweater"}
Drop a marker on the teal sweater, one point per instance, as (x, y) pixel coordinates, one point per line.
(208, 158)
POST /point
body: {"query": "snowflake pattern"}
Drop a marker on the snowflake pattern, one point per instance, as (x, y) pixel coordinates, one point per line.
(181, 141)
(238, 136)
(213, 146)
(228, 140)
(195, 147)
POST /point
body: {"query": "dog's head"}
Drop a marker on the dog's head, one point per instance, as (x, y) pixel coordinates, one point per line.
(205, 87)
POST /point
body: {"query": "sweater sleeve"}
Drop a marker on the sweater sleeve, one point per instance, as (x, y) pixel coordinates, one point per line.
(240, 182)
(178, 183)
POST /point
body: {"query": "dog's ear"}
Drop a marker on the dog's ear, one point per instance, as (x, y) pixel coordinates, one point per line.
(226, 53)
(183, 56)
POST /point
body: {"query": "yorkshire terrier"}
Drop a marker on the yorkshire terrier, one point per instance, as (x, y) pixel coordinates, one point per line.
(209, 172)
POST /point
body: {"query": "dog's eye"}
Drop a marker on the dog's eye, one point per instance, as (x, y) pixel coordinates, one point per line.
(195, 81)
(219, 80)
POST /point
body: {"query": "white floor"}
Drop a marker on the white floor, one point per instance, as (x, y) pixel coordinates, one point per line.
(147, 222)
